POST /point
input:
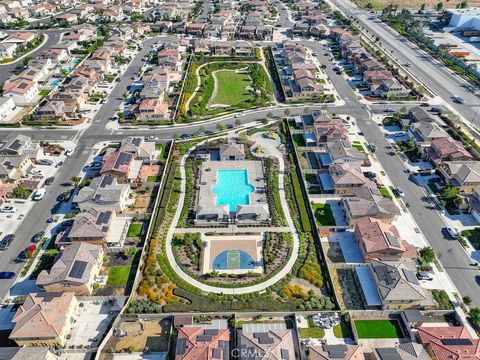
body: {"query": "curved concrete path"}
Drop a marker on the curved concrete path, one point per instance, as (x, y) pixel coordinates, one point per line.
(240, 290)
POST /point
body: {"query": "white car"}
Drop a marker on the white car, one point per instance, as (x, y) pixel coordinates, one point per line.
(398, 134)
(151, 138)
(39, 194)
(69, 152)
(453, 232)
(8, 209)
(36, 172)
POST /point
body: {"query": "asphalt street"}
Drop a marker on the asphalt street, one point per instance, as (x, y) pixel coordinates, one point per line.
(8, 69)
(434, 75)
(283, 20)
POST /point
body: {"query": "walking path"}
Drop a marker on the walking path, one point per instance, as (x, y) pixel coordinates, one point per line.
(233, 229)
(240, 290)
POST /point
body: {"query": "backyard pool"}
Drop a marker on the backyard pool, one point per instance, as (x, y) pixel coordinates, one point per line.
(232, 188)
(233, 260)
(71, 64)
(54, 82)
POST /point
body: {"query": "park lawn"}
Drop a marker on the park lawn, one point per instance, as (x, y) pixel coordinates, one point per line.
(134, 230)
(298, 140)
(231, 88)
(312, 332)
(378, 329)
(473, 236)
(118, 275)
(323, 215)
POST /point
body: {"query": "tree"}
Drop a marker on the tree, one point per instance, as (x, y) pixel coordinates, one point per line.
(19, 192)
(467, 300)
(269, 114)
(287, 112)
(221, 127)
(450, 193)
(475, 315)
(238, 122)
(76, 179)
(132, 251)
(306, 110)
(463, 4)
(439, 6)
(428, 254)
(422, 8)
(264, 121)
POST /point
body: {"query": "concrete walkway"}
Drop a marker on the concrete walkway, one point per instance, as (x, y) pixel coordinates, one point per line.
(233, 229)
(240, 290)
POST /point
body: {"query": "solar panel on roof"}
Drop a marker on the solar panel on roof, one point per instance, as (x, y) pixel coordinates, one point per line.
(181, 346)
(410, 276)
(388, 354)
(392, 240)
(123, 158)
(265, 340)
(15, 145)
(462, 342)
(106, 180)
(204, 337)
(103, 217)
(136, 141)
(211, 332)
(78, 269)
(336, 351)
(216, 353)
(285, 354)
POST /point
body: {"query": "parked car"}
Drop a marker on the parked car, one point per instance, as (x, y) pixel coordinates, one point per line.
(423, 275)
(7, 275)
(6, 241)
(369, 174)
(458, 99)
(389, 110)
(96, 165)
(436, 109)
(45, 162)
(38, 236)
(39, 194)
(372, 147)
(69, 152)
(151, 138)
(399, 191)
(453, 232)
(61, 197)
(50, 180)
(35, 171)
(8, 209)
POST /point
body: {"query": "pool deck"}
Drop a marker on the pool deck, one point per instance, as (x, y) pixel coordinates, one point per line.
(208, 178)
(214, 245)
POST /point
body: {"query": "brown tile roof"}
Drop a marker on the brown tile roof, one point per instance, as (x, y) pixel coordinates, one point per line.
(196, 343)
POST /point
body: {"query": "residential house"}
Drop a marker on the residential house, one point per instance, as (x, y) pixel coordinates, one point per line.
(425, 132)
(392, 89)
(473, 203)
(7, 108)
(377, 239)
(346, 178)
(197, 342)
(22, 91)
(103, 192)
(20, 37)
(44, 319)
(464, 175)
(32, 353)
(449, 342)
(18, 144)
(278, 344)
(398, 286)
(13, 167)
(404, 351)
(74, 270)
(341, 151)
(117, 164)
(7, 50)
(232, 151)
(67, 18)
(139, 148)
(57, 54)
(149, 109)
(323, 132)
(336, 351)
(418, 114)
(446, 149)
(195, 29)
(369, 202)
(56, 110)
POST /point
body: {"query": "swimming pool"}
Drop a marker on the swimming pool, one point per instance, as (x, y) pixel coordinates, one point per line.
(232, 188)
(54, 82)
(233, 260)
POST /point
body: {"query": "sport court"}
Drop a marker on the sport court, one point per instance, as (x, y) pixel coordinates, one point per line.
(233, 254)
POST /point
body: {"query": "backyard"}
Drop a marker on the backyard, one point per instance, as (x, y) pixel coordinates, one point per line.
(118, 275)
(378, 329)
(323, 215)
(473, 235)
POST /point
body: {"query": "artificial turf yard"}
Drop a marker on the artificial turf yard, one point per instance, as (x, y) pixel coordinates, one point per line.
(378, 329)
(118, 275)
(230, 88)
(323, 215)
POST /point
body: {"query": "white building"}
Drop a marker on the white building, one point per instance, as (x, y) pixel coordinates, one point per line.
(464, 19)
(7, 50)
(7, 108)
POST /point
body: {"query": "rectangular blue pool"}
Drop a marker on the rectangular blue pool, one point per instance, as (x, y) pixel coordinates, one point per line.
(232, 188)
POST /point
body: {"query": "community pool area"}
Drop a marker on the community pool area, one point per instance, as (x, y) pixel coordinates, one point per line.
(232, 188)
(233, 260)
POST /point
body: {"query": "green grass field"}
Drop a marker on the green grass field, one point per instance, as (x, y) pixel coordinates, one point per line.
(134, 230)
(378, 329)
(118, 275)
(230, 88)
(312, 332)
(323, 215)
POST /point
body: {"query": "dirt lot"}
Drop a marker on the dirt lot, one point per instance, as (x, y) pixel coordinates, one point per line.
(154, 335)
(411, 4)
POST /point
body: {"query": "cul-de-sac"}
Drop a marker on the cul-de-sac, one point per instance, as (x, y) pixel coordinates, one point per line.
(239, 179)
